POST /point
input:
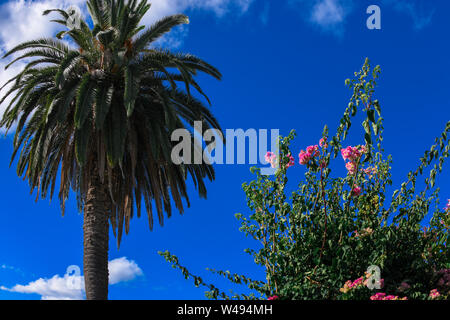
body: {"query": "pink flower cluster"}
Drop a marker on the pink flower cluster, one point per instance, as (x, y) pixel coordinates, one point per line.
(271, 158)
(358, 283)
(323, 143)
(383, 296)
(434, 294)
(273, 298)
(310, 153)
(352, 154)
(356, 191)
(447, 208)
(349, 285)
(291, 161)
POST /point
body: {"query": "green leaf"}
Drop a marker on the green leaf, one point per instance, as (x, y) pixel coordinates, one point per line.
(82, 137)
(115, 133)
(368, 139)
(85, 99)
(371, 115)
(103, 102)
(131, 90)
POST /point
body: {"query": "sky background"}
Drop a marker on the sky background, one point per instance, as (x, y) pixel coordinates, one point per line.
(284, 64)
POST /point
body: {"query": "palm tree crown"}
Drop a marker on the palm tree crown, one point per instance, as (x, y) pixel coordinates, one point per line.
(107, 107)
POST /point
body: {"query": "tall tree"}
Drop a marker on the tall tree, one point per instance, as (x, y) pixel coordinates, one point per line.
(99, 114)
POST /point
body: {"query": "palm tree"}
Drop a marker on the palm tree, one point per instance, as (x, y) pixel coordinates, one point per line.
(101, 114)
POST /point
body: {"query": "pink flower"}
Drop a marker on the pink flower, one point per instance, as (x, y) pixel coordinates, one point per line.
(304, 157)
(347, 286)
(323, 143)
(351, 167)
(358, 281)
(447, 208)
(273, 298)
(291, 162)
(271, 158)
(313, 150)
(378, 296)
(346, 153)
(356, 191)
(382, 296)
(434, 294)
(353, 153)
(356, 154)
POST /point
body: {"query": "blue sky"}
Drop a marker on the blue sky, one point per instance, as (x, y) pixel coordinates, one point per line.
(284, 64)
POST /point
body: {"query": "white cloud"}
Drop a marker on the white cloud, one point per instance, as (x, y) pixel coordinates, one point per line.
(22, 20)
(328, 15)
(122, 270)
(55, 288)
(71, 286)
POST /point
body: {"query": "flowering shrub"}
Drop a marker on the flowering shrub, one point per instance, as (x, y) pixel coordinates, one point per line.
(434, 294)
(333, 228)
(383, 296)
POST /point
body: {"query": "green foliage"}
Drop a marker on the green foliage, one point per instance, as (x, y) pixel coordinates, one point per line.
(326, 234)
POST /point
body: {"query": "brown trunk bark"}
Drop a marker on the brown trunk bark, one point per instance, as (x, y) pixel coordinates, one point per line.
(96, 237)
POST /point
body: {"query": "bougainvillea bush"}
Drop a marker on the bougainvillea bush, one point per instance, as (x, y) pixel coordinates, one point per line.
(343, 237)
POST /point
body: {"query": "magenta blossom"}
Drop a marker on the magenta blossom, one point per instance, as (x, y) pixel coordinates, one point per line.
(382, 296)
(310, 153)
(434, 294)
(291, 161)
(351, 167)
(304, 157)
(352, 153)
(356, 191)
(323, 143)
(271, 158)
(313, 150)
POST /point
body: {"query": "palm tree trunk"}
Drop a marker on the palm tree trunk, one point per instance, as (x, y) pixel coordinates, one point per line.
(96, 237)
